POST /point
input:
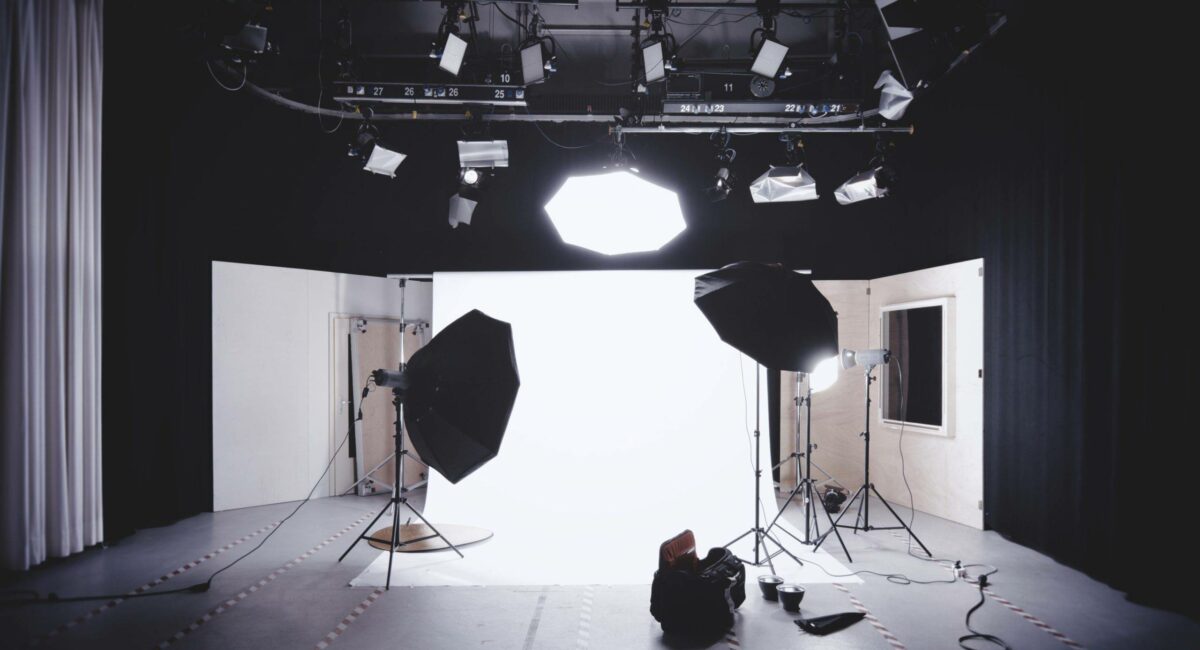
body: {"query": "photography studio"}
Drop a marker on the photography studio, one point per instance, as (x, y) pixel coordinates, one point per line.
(594, 325)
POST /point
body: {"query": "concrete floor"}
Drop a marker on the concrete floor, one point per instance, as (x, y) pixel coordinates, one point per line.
(288, 595)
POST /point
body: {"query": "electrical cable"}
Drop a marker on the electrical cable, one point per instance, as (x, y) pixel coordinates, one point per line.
(976, 635)
(199, 587)
(320, 62)
(232, 89)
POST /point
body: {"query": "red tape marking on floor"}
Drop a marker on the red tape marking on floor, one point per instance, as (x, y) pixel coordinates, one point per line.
(245, 593)
(875, 622)
(349, 619)
(1037, 622)
(93, 613)
(584, 637)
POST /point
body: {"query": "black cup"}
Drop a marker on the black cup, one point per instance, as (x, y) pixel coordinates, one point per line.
(769, 584)
(790, 596)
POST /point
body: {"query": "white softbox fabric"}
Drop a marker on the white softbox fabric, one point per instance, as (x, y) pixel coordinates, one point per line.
(783, 184)
(894, 98)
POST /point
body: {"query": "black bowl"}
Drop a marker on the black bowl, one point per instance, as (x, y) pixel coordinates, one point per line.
(769, 584)
(790, 596)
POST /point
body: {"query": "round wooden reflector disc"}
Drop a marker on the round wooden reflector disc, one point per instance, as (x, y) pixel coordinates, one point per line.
(417, 538)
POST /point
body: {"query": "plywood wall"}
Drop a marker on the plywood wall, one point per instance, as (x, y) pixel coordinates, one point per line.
(944, 471)
(272, 375)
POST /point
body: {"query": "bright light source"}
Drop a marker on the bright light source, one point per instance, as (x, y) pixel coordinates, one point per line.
(769, 59)
(870, 184)
(384, 161)
(483, 153)
(825, 375)
(894, 98)
(533, 65)
(780, 184)
(470, 176)
(721, 186)
(615, 212)
(461, 210)
(652, 62)
(872, 357)
(452, 54)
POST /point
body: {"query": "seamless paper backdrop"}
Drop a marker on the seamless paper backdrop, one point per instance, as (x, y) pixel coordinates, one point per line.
(632, 423)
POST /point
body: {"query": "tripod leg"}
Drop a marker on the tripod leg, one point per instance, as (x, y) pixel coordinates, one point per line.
(782, 548)
(891, 510)
(833, 527)
(435, 530)
(759, 539)
(738, 538)
(786, 504)
(365, 532)
(858, 519)
(387, 586)
(789, 534)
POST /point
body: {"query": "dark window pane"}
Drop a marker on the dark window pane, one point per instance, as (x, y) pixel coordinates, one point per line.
(913, 383)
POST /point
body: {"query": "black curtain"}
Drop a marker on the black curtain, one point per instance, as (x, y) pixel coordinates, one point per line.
(157, 371)
(1073, 217)
(1028, 157)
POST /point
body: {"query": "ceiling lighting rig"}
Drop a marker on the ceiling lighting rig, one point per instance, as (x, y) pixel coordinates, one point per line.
(807, 43)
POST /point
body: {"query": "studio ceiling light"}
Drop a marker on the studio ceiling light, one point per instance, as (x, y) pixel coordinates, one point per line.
(384, 161)
(453, 53)
(723, 180)
(790, 182)
(894, 98)
(769, 59)
(615, 212)
(376, 158)
(471, 183)
(652, 62)
(461, 210)
(862, 186)
(874, 183)
(783, 184)
(533, 65)
(482, 153)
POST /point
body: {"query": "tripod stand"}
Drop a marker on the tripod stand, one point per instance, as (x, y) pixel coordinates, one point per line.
(398, 498)
(863, 494)
(804, 481)
(762, 554)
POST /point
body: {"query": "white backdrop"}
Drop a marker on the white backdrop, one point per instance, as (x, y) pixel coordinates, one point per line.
(632, 423)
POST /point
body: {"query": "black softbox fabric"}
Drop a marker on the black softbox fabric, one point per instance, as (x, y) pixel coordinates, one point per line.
(773, 315)
(463, 386)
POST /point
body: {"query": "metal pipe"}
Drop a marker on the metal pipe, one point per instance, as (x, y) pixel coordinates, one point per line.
(751, 124)
(639, 4)
(751, 130)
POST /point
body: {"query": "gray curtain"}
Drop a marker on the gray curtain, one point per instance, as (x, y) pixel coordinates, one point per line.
(50, 91)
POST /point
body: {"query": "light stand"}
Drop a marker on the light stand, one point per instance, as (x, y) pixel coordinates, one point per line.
(804, 481)
(863, 494)
(399, 490)
(398, 499)
(762, 554)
